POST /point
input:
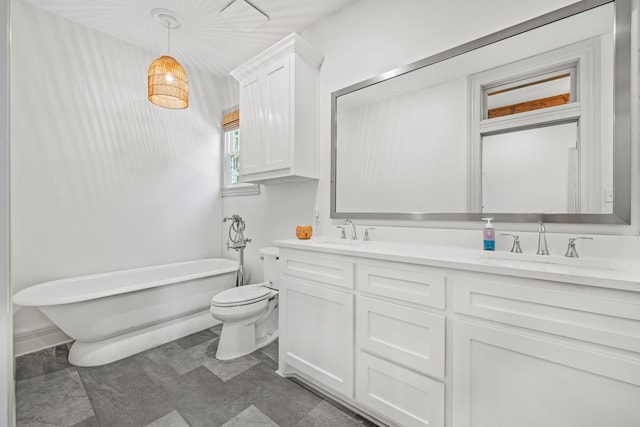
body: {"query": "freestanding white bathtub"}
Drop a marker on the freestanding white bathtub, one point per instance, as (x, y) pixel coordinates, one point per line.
(115, 315)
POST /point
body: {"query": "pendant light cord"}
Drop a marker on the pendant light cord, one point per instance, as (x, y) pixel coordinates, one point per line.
(168, 38)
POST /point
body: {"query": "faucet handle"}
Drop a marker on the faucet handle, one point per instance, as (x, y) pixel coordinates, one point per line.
(366, 238)
(571, 249)
(516, 243)
(343, 235)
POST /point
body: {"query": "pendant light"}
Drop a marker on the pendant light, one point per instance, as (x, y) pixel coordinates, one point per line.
(167, 81)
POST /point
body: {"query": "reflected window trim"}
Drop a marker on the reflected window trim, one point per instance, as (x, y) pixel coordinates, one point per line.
(585, 56)
(533, 101)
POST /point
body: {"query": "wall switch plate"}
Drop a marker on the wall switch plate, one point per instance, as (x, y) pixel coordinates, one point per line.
(316, 214)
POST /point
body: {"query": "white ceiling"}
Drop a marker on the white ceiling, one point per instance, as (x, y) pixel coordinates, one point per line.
(206, 40)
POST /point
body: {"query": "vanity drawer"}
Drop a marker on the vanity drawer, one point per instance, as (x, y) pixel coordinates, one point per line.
(318, 268)
(604, 316)
(401, 334)
(405, 282)
(406, 397)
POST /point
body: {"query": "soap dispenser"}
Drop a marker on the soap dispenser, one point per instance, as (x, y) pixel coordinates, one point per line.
(489, 235)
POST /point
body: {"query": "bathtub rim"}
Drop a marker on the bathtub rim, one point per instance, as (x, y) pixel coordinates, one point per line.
(28, 297)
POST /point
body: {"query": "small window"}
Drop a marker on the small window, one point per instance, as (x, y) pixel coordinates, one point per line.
(231, 158)
(533, 93)
(232, 154)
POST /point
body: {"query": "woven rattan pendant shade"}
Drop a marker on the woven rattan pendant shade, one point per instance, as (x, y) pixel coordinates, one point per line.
(167, 83)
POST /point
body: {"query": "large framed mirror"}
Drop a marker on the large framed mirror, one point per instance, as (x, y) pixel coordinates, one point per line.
(527, 124)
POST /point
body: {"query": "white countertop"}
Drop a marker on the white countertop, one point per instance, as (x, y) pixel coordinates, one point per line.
(613, 273)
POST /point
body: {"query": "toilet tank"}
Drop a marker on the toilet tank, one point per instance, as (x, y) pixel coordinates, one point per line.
(270, 258)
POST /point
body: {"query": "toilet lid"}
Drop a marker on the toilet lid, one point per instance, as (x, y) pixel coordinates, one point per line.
(241, 295)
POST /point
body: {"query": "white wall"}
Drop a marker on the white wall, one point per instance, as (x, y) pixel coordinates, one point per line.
(102, 180)
(375, 36)
(271, 215)
(543, 160)
(431, 123)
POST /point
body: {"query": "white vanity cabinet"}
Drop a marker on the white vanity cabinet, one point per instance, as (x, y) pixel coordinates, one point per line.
(417, 337)
(278, 109)
(540, 353)
(400, 342)
(316, 318)
(372, 334)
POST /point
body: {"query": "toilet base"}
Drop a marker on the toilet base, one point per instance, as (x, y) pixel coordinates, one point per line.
(239, 340)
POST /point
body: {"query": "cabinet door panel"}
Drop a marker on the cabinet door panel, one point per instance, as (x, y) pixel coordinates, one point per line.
(278, 104)
(412, 337)
(505, 377)
(251, 126)
(317, 333)
(404, 396)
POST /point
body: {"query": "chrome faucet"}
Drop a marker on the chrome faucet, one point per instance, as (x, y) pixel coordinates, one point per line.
(515, 248)
(542, 240)
(354, 234)
(238, 243)
(571, 249)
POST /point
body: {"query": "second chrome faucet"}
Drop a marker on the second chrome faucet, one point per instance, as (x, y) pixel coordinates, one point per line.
(542, 243)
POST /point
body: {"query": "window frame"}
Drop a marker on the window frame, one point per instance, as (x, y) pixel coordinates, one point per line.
(231, 124)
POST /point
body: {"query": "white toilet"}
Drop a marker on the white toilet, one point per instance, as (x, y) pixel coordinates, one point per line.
(249, 313)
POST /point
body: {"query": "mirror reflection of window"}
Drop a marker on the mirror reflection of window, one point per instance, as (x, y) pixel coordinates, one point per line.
(534, 93)
(570, 84)
(531, 170)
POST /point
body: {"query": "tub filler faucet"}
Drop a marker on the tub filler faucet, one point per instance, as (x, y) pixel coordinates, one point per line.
(237, 242)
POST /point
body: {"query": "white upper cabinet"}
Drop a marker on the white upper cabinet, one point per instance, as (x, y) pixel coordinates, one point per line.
(279, 113)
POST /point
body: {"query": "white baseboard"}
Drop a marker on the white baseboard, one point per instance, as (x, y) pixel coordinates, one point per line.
(38, 340)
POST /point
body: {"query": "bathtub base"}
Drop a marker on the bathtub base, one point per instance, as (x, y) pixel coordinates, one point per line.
(110, 350)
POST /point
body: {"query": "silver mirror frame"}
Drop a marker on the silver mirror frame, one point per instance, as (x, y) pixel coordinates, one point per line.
(622, 123)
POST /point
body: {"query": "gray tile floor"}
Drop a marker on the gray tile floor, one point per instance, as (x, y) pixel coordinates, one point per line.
(179, 384)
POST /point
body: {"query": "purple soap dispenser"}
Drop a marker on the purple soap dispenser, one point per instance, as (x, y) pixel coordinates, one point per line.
(489, 235)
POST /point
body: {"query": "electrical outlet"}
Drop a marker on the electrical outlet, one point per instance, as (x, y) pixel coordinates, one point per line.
(608, 195)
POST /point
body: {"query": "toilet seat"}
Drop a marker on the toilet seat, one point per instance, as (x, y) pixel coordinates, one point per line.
(241, 295)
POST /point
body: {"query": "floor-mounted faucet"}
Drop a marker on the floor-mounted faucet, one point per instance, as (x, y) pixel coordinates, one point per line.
(542, 240)
(237, 242)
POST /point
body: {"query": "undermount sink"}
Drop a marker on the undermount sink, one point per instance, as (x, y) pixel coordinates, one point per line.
(510, 259)
(332, 241)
